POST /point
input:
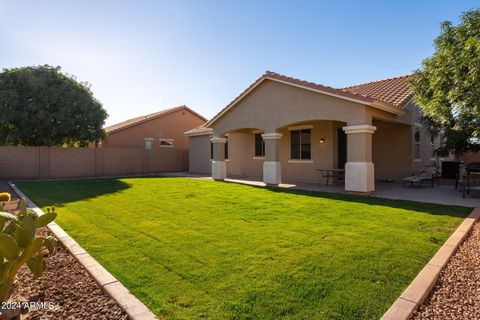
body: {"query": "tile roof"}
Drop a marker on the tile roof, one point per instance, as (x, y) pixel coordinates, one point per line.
(393, 91)
(199, 131)
(316, 86)
(138, 120)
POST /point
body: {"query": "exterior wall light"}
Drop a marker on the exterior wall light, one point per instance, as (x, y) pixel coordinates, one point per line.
(322, 140)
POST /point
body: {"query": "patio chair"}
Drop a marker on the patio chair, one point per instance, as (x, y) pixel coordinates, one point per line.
(428, 175)
(469, 182)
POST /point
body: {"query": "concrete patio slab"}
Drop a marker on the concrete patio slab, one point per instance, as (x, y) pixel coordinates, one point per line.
(439, 194)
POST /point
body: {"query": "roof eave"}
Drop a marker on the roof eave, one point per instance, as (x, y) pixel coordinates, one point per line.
(369, 102)
(197, 134)
(389, 108)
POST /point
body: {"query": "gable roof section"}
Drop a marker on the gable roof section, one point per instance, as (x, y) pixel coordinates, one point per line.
(395, 91)
(139, 120)
(199, 131)
(381, 96)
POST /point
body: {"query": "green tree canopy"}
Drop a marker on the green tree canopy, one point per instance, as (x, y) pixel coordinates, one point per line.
(447, 86)
(41, 106)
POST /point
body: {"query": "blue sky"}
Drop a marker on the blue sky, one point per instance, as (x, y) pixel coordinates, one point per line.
(144, 56)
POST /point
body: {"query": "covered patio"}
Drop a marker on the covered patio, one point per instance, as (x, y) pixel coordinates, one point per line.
(442, 194)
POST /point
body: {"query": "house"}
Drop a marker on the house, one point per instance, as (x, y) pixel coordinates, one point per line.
(285, 129)
(163, 129)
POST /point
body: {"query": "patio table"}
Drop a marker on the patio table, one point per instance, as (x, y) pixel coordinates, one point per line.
(338, 174)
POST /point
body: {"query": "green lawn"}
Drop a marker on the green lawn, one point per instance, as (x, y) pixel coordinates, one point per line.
(193, 249)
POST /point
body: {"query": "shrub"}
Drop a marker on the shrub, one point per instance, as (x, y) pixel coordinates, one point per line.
(19, 245)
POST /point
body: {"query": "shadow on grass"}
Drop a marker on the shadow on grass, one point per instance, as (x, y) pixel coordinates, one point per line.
(431, 208)
(56, 193)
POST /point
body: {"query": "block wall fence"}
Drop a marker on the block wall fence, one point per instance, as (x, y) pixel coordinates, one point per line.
(21, 163)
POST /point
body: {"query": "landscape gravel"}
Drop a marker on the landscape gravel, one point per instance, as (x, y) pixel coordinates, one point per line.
(456, 295)
(68, 287)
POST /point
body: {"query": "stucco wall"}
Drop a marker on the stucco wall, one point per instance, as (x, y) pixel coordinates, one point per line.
(52, 163)
(199, 155)
(170, 126)
(274, 105)
(471, 157)
(392, 150)
(241, 153)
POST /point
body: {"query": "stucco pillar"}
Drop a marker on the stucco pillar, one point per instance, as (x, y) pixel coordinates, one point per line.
(272, 170)
(359, 169)
(219, 167)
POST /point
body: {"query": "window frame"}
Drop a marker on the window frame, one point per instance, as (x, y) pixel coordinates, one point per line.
(262, 153)
(170, 143)
(417, 144)
(145, 140)
(301, 144)
(432, 147)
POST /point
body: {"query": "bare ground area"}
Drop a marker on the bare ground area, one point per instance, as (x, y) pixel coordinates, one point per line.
(456, 294)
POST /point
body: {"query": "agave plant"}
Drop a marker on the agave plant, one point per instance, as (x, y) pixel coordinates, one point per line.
(19, 245)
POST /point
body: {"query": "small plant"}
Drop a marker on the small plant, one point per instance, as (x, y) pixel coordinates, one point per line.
(19, 245)
(5, 196)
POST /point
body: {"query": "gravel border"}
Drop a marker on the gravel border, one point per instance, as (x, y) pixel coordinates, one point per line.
(68, 287)
(456, 294)
(133, 307)
(416, 293)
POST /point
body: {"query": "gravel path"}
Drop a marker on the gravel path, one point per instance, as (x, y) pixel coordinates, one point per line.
(456, 294)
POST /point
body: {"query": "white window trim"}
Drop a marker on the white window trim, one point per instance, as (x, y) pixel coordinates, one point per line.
(258, 158)
(167, 140)
(151, 143)
(417, 126)
(306, 126)
(300, 161)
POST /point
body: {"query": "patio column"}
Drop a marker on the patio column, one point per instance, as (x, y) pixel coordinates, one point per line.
(272, 170)
(219, 167)
(359, 169)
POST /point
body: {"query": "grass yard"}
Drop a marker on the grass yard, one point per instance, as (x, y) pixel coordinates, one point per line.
(193, 249)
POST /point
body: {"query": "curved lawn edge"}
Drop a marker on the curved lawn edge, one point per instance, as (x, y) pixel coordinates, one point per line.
(135, 309)
(390, 230)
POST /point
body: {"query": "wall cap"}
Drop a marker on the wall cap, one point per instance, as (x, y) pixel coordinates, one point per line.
(218, 140)
(363, 128)
(272, 136)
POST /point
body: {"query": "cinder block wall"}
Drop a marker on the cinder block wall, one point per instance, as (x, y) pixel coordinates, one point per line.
(20, 163)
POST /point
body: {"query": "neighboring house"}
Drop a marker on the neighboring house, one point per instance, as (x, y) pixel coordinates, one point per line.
(281, 128)
(163, 129)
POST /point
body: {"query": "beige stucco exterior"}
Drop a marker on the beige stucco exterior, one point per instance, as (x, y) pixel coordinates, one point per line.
(379, 142)
(169, 126)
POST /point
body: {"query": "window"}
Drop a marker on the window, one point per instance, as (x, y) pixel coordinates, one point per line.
(226, 149)
(166, 142)
(259, 145)
(416, 144)
(300, 144)
(432, 147)
(148, 143)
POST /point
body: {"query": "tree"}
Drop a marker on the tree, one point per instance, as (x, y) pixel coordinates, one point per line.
(41, 106)
(447, 86)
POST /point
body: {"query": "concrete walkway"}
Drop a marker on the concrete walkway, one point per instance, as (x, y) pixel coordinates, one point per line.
(443, 194)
